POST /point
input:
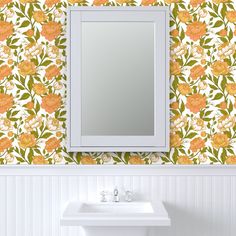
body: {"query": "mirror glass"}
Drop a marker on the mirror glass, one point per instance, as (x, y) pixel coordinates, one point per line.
(117, 78)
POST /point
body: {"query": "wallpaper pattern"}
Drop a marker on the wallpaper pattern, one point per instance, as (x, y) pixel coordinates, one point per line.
(33, 83)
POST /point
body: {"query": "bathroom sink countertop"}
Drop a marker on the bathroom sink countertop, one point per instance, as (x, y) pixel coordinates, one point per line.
(115, 214)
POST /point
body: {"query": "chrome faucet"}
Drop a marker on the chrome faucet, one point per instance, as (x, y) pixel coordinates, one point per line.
(116, 195)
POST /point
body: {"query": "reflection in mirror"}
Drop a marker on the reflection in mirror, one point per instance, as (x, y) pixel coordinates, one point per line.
(117, 78)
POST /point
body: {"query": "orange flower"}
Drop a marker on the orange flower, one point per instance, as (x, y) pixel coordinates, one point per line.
(58, 134)
(174, 68)
(39, 89)
(27, 68)
(147, 2)
(184, 160)
(30, 105)
(6, 29)
(196, 30)
(50, 3)
(51, 30)
(52, 144)
(39, 160)
(231, 16)
(51, 102)
(6, 102)
(220, 68)
(220, 140)
(231, 160)
(4, 2)
(52, 71)
(223, 105)
(196, 144)
(174, 105)
(29, 33)
(99, 2)
(175, 140)
(184, 89)
(5, 71)
(87, 160)
(231, 88)
(195, 3)
(223, 32)
(39, 16)
(197, 72)
(5, 143)
(196, 102)
(184, 16)
(27, 140)
(136, 160)
(174, 33)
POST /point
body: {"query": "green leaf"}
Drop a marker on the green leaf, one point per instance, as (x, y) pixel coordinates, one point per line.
(218, 23)
(46, 135)
(25, 96)
(218, 96)
(25, 24)
(190, 63)
(191, 135)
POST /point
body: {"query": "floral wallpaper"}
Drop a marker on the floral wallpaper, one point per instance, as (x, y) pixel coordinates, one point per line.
(33, 83)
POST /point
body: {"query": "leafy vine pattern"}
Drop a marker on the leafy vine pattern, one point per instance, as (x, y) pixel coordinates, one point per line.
(33, 83)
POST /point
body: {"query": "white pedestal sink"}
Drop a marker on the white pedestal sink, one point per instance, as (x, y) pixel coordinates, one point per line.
(115, 219)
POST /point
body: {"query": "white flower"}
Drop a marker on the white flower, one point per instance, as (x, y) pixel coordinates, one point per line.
(5, 124)
(202, 13)
(57, 158)
(53, 51)
(33, 50)
(202, 85)
(197, 124)
(177, 50)
(58, 13)
(106, 157)
(225, 50)
(9, 13)
(154, 157)
(58, 85)
(33, 122)
(226, 122)
(53, 124)
(5, 52)
(178, 122)
(197, 51)
(9, 158)
(202, 158)
(9, 85)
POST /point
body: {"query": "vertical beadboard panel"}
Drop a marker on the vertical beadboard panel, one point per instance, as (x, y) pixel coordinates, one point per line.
(197, 205)
(3, 207)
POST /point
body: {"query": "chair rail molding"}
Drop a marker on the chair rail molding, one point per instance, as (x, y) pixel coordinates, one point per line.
(119, 170)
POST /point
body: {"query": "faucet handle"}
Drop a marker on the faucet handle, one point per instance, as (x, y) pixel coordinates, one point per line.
(103, 196)
(128, 196)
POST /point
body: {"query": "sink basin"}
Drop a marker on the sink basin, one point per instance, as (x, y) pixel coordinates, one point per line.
(115, 214)
(116, 208)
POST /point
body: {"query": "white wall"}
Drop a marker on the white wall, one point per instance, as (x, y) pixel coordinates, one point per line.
(200, 202)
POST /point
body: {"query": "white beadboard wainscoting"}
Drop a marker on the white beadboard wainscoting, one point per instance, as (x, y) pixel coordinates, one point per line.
(201, 200)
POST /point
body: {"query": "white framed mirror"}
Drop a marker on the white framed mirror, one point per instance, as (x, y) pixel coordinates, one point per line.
(118, 79)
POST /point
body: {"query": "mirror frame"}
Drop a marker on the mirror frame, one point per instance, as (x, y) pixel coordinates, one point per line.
(160, 140)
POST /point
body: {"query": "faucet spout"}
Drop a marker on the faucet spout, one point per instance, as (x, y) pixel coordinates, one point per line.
(116, 195)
